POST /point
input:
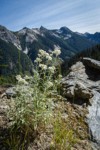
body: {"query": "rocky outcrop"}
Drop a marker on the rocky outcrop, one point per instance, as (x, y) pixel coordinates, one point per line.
(83, 82)
(93, 119)
(92, 63)
(75, 84)
(10, 92)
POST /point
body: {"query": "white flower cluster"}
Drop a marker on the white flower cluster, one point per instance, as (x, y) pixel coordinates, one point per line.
(42, 53)
(46, 55)
(57, 52)
(49, 58)
(52, 69)
(42, 66)
(21, 80)
(38, 60)
(27, 77)
(60, 76)
(45, 60)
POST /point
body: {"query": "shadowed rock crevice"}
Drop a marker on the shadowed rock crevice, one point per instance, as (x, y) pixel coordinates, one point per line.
(92, 68)
(79, 101)
(93, 74)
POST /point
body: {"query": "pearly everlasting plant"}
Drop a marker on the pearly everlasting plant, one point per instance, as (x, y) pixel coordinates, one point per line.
(33, 103)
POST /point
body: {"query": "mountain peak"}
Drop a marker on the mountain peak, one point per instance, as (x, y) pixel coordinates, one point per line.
(65, 30)
(86, 33)
(43, 28)
(25, 28)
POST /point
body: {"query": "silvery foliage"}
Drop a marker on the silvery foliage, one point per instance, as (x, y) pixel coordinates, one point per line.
(35, 94)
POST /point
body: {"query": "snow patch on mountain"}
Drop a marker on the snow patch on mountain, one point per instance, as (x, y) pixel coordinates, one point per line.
(56, 35)
(67, 36)
(18, 46)
(23, 31)
(37, 31)
(30, 38)
(59, 31)
(26, 50)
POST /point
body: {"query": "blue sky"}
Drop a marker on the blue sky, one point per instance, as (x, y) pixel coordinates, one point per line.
(78, 15)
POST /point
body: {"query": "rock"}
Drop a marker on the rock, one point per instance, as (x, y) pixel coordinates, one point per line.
(92, 63)
(10, 92)
(68, 92)
(82, 91)
(3, 95)
(78, 83)
(93, 119)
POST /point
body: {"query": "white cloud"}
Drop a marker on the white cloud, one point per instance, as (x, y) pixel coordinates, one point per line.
(45, 11)
(78, 15)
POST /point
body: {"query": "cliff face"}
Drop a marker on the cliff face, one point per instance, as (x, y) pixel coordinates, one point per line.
(82, 86)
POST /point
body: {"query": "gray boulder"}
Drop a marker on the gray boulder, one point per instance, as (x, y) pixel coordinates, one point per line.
(10, 92)
(75, 84)
(81, 90)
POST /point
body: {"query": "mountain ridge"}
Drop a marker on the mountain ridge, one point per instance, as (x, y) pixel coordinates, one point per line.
(31, 40)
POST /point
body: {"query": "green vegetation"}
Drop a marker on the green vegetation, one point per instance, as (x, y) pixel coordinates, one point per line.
(12, 62)
(7, 80)
(64, 136)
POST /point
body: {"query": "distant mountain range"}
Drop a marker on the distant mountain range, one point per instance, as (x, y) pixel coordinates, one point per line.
(29, 41)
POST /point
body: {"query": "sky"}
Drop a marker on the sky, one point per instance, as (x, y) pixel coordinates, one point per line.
(78, 15)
